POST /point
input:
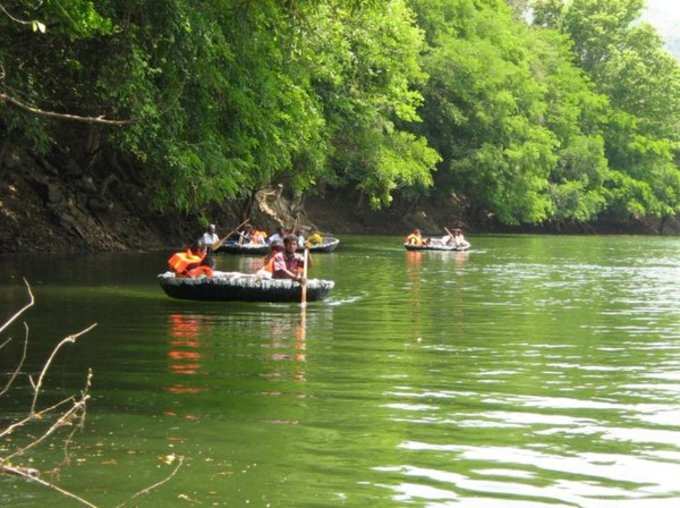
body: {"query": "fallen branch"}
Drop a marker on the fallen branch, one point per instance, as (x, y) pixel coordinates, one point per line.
(69, 412)
(71, 339)
(34, 478)
(19, 312)
(155, 485)
(14, 375)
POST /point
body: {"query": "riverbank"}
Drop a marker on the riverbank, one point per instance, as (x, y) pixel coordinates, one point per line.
(61, 207)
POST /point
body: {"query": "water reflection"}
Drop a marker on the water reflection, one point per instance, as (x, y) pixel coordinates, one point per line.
(184, 353)
(284, 331)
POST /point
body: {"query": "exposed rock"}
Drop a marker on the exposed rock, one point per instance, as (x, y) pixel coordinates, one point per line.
(73, 169)
(54, 194)
(87, 184)
(99, 205)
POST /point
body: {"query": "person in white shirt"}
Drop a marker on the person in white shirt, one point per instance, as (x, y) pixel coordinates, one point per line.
(276, 237)
(300, 238)
(209, 239)
(459, 239)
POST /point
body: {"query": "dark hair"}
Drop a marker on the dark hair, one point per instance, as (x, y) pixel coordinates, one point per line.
(289, 239)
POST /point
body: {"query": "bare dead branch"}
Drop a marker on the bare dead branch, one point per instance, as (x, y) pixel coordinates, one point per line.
(155, 485)
(69, 412)
(71, 339)
(81, 421)
(13, 18)
(64, 420)
(6, 342)
(62, 116)
(31, 477)
(20, 311)
(36, 416)
(19, 365)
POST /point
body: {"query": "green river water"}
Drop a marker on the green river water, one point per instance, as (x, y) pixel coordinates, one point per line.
(530, 371)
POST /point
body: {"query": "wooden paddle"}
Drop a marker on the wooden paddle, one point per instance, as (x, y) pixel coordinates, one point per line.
(303, 301)
(449, 233)
(219, 243)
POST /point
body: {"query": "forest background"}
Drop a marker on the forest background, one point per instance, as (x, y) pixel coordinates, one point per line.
(124, 118)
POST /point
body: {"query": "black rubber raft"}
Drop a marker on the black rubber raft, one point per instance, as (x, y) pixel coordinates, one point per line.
(329, 244)
(248, 249)
(444, 248)
(235, 286)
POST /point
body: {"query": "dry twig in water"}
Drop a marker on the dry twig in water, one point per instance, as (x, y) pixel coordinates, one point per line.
(69, 412)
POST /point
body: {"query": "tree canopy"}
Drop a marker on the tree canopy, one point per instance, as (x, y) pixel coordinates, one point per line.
(571, 116)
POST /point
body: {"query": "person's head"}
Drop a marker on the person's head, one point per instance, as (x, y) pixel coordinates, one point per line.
(290, 243)
(277, 246)
(211, 228)
(198, 247)
(416, 231)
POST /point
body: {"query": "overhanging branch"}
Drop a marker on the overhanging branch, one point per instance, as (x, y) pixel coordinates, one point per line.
(62, 116)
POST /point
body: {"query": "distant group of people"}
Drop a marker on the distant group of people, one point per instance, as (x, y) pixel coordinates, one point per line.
(282, 262)
(454, 238)
(252, 235)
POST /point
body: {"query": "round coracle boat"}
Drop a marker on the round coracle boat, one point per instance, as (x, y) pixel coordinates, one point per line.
(438, 247)
(236, 286)
(329, 244)
(250, 249)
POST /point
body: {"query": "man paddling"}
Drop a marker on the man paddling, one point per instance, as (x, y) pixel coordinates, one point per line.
(288, 264)
(208, 240)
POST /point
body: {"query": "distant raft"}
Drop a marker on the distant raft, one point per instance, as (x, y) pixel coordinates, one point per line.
(438, 247)
(236, 286)
(329, 244)
(249, 249)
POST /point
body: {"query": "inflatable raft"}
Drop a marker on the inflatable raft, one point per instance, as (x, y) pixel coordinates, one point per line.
(328, 245)
(249, 249)
(232, 286)
(438, 247)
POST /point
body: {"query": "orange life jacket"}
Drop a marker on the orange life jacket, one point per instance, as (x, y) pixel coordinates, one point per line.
(200, 270)
(179, 262)
(258, 237)
(414, 239)
(269, 265)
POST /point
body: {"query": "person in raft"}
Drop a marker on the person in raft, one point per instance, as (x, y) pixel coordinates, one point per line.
(287, 264)
(209, 239)
(258, 236)
(267, 270)
(278, 236)
(314, 239)
(459, 240)
(415, 238)
(190, 263)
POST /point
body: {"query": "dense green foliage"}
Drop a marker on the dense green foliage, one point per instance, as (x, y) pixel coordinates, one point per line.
(570, 118)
